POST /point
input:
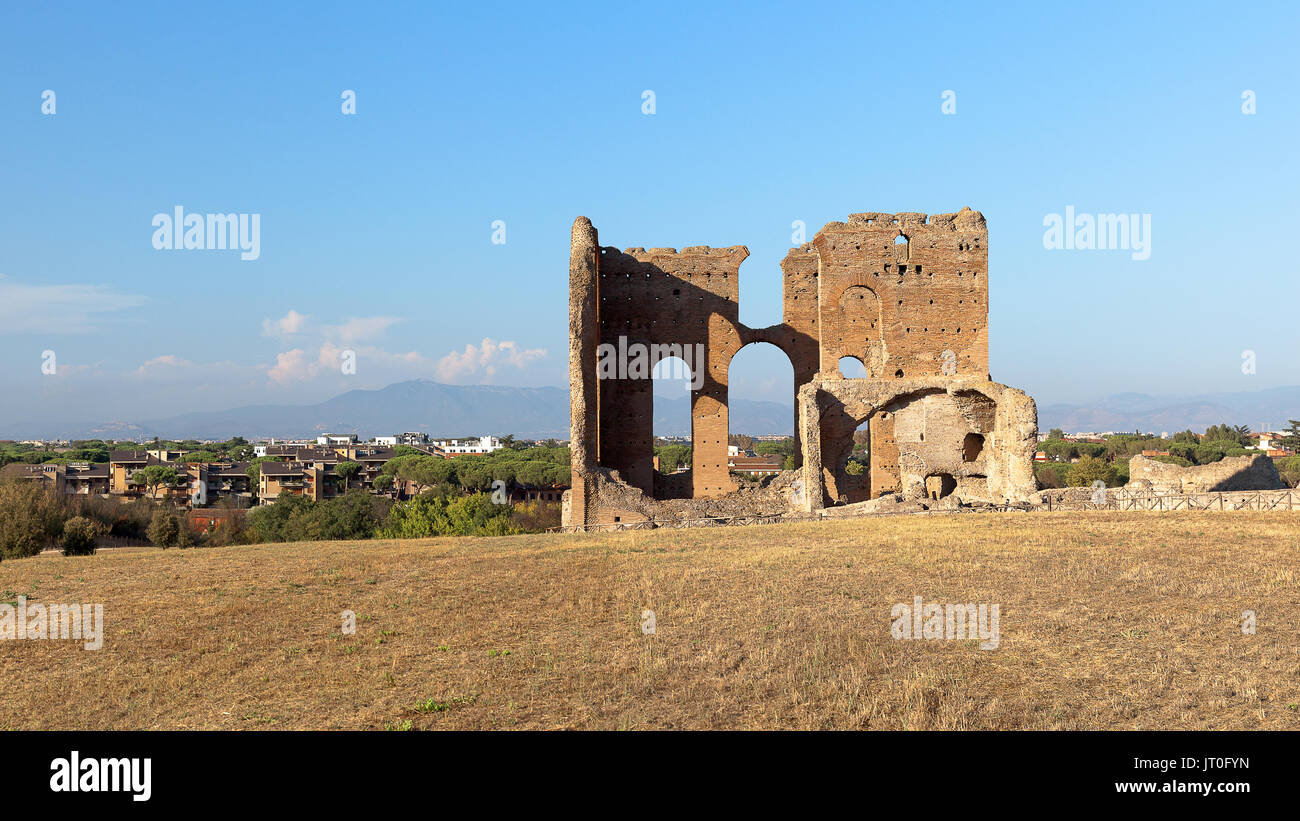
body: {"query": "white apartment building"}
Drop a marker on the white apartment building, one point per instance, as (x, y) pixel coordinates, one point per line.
(336, 439)
(483, 444)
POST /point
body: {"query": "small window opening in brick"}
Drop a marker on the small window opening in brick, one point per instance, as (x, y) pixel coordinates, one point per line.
(852, 368)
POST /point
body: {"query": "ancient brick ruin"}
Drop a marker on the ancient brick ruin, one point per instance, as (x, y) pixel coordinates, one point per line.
(906, 295)
(1255, 472)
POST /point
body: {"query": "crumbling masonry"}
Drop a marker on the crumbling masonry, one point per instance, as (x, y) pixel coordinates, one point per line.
(904, 294)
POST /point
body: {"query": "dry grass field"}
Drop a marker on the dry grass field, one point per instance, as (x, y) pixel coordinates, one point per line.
(1108, 620)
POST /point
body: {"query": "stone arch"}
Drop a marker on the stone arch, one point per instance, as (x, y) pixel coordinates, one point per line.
(794, 386)
(671, 376)
(855, 327)
(902, 247)
(802, 355)
(850, 367)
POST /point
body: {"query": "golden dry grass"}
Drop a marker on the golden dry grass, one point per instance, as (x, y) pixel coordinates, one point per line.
(1107, 621)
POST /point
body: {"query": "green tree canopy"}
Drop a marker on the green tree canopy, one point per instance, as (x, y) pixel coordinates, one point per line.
(347, 471)
(155, 477)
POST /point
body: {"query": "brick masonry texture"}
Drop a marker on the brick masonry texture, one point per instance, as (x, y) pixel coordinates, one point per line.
(904, 294)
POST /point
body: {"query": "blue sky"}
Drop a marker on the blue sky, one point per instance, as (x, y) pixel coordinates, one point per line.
(376, 228)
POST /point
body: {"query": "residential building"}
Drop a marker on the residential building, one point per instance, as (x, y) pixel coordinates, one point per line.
(301, 467)
(462, 447)
(316, 481)
(280, 477)
(554, 493)
(261, 448)
(78, 478)
(1267, 440)
(336, 439)
(122, 465)
(756, 465)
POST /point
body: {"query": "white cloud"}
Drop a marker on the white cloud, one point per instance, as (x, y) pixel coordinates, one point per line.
(297, 365)
(176, 370)
(366, 327)
(163, 363)
(57, 308)
(290, 366)
(485, 359)
(291, 323)
(354, 330)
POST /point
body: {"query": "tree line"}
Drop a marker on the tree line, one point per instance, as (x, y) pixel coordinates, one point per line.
(236, 449)
(1108, 461)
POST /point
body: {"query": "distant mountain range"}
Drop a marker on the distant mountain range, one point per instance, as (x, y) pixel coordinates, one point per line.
(1139, 411)
(541, 413)
(418, 405)
(755, 417)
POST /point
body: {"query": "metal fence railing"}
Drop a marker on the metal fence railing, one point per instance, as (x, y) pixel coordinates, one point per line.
(1217, 500)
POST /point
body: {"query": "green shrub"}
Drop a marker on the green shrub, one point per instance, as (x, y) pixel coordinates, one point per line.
(30, 517)
(1051, 474)
(231, 531)
(671, 457)
(535, 516)
(354, 515)
(164, 530)
(1088, 470)
(433, 515)
(79, 535)
(1289, 469)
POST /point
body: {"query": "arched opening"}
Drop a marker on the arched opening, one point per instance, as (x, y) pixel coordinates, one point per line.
(939, 485)
(857, 467)
(852, 368)
(760, 413)
(845, 453)
(854, 330)
(672, 448)
(672, 397)
(902, 249)
(972, 446)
